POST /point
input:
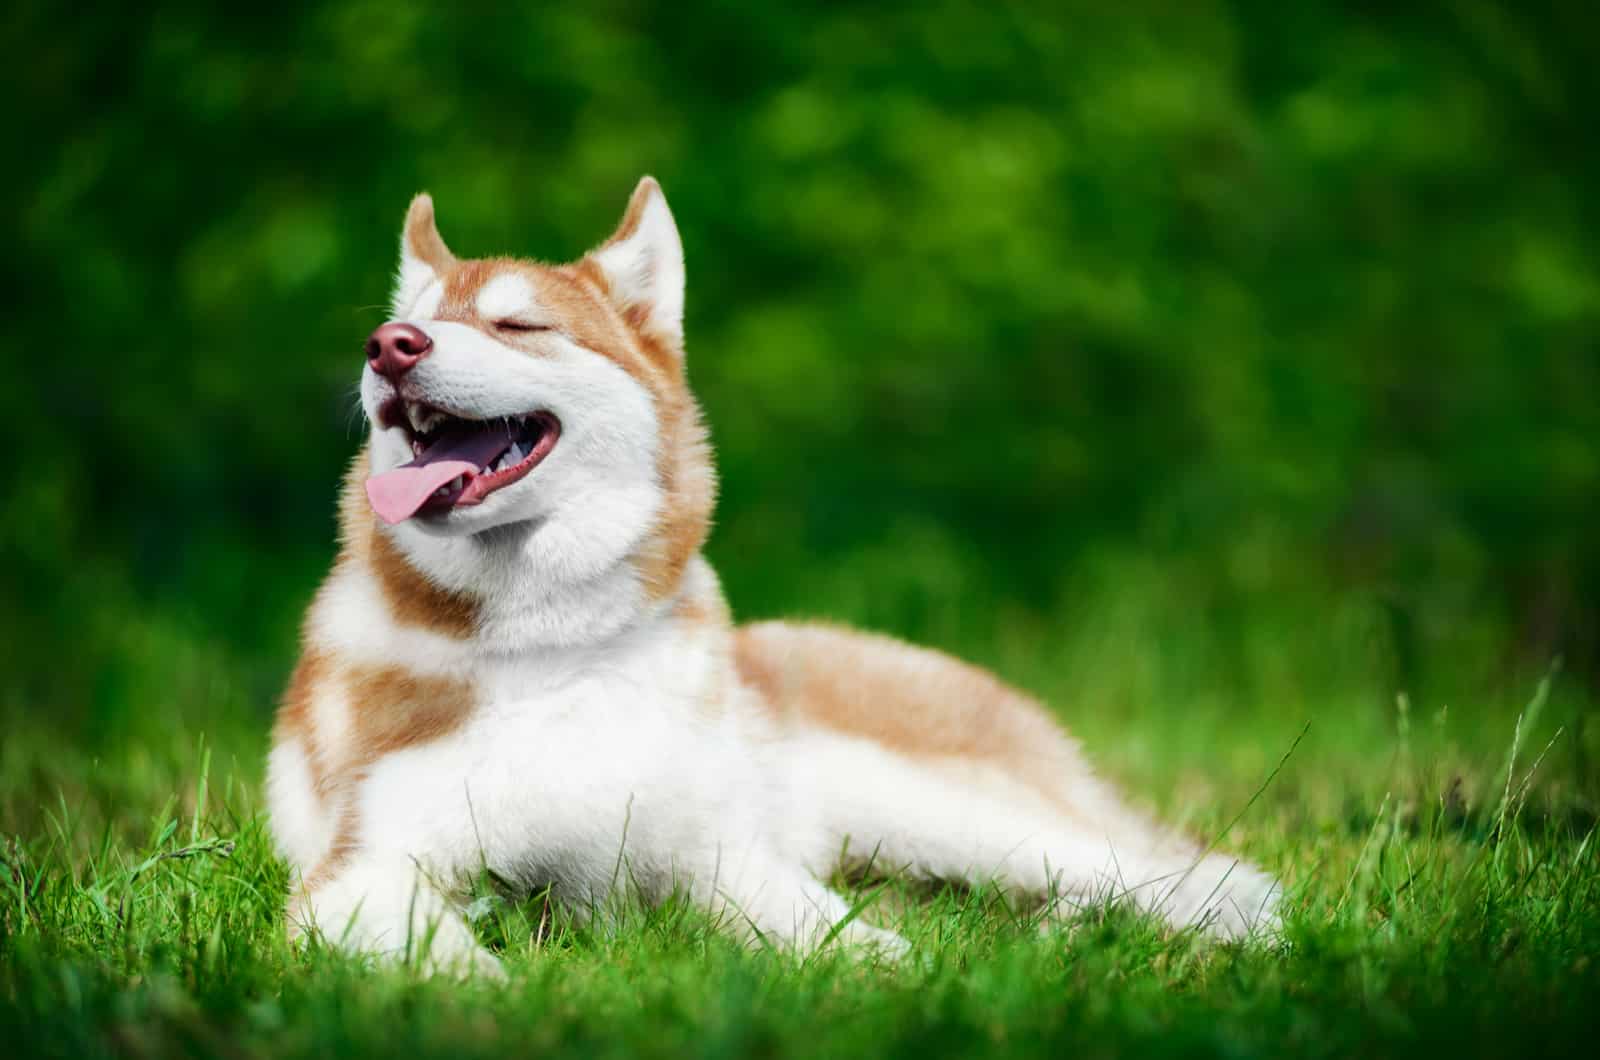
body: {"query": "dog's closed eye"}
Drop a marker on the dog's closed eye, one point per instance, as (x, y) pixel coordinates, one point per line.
(521, 326)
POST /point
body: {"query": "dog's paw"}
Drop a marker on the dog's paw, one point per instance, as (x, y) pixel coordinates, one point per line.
(877, 943)
(450, 949)
(473, 963)
(1226, 899)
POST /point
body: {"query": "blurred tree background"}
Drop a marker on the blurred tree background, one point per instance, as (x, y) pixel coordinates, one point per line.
(1209, 351)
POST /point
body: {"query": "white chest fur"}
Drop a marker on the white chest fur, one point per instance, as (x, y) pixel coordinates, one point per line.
(582, 770)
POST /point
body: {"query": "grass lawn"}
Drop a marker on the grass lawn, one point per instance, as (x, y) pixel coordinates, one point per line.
(1444, 891)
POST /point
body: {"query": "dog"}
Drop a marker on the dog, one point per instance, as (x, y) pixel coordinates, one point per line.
(521, 662)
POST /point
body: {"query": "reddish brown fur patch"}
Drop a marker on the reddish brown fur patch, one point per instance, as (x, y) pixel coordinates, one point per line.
(642, 193)
(907, 698)
(422, 236)
(912, 700)
(413, 600)
(294, 711)
(389, 708)
(690, 488)
(394, 708)
(294, 720)
(346, 842)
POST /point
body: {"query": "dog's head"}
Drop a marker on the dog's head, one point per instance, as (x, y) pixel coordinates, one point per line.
(539, 409)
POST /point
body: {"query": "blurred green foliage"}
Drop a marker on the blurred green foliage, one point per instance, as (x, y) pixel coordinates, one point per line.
(1259, 336)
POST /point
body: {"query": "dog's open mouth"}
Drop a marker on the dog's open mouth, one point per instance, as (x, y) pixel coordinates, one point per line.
(458, 461)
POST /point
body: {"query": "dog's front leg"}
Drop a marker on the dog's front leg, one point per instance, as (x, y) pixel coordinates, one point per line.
(390, 908)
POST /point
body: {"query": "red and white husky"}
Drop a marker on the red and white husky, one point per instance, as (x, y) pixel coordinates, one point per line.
(522, 662)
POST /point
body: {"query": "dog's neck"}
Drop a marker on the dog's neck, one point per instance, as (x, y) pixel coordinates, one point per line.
(519, 603)
(508, 596)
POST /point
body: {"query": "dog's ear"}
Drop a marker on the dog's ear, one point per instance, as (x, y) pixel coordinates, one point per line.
(643, 265)
(424, 258)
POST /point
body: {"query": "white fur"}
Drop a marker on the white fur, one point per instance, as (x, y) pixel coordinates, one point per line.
(646, 268)
(971, 821)
(302, 830)
(415, 281)
(506, 296)
(351, 620)
(391, 908)
(427, 303)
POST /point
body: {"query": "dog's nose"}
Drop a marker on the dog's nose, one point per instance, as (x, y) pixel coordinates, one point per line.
(395, 348)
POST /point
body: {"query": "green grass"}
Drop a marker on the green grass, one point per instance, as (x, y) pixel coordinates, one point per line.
(1442, 869)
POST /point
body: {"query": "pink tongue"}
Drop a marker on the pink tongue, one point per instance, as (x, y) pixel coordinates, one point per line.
(397, 495)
